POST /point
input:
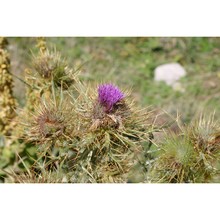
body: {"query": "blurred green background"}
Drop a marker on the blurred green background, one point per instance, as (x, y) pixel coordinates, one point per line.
(129, 62)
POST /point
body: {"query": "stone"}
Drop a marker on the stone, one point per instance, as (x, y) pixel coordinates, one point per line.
(169, 73)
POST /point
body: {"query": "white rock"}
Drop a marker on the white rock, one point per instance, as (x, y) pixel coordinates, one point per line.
(169, 73)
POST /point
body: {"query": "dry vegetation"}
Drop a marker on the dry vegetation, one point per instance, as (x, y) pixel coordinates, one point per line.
(70, 123)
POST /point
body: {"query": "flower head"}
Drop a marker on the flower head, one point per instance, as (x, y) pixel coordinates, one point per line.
(108, 95)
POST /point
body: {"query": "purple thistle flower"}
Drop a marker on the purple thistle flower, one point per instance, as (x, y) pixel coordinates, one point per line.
(108, 95)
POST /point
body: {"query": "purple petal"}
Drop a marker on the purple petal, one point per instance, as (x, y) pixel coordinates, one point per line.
(108, 95)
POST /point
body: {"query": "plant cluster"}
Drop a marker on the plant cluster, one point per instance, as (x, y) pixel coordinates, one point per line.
(76, 132)
(191, 156)
(73, 132)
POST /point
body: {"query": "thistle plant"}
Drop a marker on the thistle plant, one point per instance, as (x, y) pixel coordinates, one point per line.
(111, 133)
(49, 70)
(50, 131)
(48, 122)
(95, 137)
(44, 122)
(190, 157)
(175, 161)
(88, 134)
(49, 66)
(7, 100)
(205, 136)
